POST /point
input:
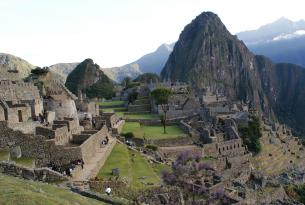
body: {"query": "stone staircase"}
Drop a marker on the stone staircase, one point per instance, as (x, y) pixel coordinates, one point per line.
(92, 167)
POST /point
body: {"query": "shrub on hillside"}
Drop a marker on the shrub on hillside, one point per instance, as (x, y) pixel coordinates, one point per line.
(128, 135)
(103, 88)
(40, 71)
(152, 147)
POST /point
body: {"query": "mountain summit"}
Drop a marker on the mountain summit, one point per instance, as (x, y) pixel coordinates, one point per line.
(209, 57)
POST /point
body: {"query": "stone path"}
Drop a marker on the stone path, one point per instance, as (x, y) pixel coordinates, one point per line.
(92, 167)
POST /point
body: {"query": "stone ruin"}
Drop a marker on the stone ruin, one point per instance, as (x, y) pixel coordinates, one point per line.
(46, 128)
(19, 101)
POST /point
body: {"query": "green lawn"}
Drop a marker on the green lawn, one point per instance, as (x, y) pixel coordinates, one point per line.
(153, 132)
(133, 167)
(15, 191)
(112, 103)
(119, 158)
(133, 127)
(3, 155)
(25, 161)
(158, 168)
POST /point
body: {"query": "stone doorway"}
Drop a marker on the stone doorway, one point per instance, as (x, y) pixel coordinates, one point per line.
(20, 116)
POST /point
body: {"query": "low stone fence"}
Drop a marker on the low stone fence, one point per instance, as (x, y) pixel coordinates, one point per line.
(169, 152)
(139, 108)
(102, 197)
(117, 186)
(179, 141)
(37, 174)
(186, 127)
(137, 113)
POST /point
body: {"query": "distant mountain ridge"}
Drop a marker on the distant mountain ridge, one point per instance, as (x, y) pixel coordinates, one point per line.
(282, 41)
(149, 63)
(63, 69)
(272, 31)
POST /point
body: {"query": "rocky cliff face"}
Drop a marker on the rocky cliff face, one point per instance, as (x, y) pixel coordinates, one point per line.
(209, 57)
(89, 78)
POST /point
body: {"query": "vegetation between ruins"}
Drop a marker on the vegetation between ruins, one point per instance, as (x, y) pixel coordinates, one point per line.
(153, 132)
(133, 168)
(251, 135)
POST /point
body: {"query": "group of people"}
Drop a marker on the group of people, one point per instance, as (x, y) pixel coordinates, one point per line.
(72, 166)
(67, 171)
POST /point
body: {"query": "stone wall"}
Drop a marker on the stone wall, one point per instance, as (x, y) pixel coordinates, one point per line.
(71, 123)
(92, 144)
(117, 129)
(79, 138)
(169, 152)
(139, 108)
(117, 186)
(61, 135)
(226, 148)
(88, 107)
(37, 147)
(19, 90)
(19, 113)
(179, 141)
(111, 119)
(39, 174)
(2, 114)
(61, 107)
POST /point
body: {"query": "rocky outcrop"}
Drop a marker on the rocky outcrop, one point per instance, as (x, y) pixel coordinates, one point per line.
(209, 57)
(89, 78)
(15, 63)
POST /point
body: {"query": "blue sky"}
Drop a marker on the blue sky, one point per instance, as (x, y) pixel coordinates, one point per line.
(115, 32)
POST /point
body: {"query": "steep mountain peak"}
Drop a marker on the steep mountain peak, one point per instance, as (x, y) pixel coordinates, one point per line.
(165, 48)
(209, 57)
(89, 78)
(205, 19)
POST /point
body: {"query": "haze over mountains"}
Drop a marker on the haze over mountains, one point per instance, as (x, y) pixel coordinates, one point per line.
(282, 41)
(149, 63)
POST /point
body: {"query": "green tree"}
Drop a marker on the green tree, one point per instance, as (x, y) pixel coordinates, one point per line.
(251, 135)
(161, 96)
